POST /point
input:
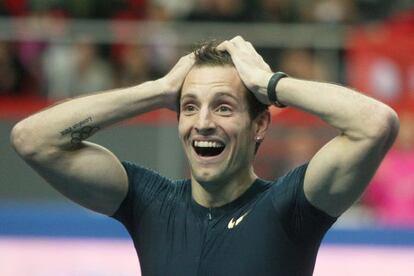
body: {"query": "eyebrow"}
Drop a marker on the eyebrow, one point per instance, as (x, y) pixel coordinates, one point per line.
(226, 94)
(217, 95)
(192, 96)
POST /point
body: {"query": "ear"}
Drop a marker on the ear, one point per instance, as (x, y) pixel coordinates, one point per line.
(262, 122)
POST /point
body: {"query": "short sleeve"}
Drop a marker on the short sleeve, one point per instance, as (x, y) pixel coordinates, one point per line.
(302, 221)
(143, 187)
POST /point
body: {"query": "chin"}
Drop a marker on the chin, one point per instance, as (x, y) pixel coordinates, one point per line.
(206, 178)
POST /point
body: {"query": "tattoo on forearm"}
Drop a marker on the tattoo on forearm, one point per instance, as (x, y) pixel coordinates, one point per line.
(80, 131)
(82, 134)
(76, 126)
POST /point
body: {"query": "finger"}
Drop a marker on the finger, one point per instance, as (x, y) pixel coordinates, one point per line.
(244, 45)
(253, 50)
(190, 58)
(238, 42)
(226, 46)
(186, 61)
(250, 46)
(237, 39)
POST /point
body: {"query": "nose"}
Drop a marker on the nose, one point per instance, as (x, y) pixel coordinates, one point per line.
(205, 124)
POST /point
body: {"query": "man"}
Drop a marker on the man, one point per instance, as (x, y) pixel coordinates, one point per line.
(224, 220)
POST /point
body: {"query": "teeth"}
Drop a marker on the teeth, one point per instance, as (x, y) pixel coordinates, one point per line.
(208, 144)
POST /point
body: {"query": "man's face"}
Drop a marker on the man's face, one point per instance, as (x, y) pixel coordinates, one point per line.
(215, 128)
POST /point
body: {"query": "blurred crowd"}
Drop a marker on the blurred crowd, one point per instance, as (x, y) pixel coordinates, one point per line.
(61, 69)
(287, 11)
(55, 69)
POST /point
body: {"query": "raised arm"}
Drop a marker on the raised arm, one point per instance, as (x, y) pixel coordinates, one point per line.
(52, 141)
(340, 171)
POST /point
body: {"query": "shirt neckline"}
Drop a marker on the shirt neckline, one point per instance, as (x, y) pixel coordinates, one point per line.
(215, 212)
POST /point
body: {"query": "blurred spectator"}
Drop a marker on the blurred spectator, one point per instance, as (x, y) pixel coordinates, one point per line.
(129, 9)
(30, 49)
(378, 9)
(13, 7)
(156, 11)
(163, 55)
(177, 9)
(161, 47)
(57, 70)
(46, 5)
(218, 10)
(85, 8)
(391, 193)
(29, 53)
(328, 11)
(300, 144)
(57, 61)
(71, 70)
(90, 71)
(289, 144)
(132, 66)
(281, 11)
(92, 8)
(14, 80)
(302, 64)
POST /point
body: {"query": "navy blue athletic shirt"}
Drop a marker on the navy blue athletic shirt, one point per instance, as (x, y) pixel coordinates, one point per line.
(271, 229)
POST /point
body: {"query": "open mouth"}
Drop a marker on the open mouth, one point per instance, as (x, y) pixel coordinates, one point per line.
(208, 148)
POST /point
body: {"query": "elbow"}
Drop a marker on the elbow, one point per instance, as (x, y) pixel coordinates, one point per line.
(375, 124)
(25, 142)
(391, 123)
(20, 141)
(386, 126)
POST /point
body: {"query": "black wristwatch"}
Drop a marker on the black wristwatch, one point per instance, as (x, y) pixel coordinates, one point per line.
(271, 88)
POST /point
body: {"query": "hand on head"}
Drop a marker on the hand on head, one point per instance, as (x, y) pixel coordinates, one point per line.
(173, 81)
(253, 70)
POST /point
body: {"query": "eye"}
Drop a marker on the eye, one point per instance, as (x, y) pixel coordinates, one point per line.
(224, 109)
(188, 108)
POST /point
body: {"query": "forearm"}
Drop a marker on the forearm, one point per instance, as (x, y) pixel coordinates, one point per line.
(65, 125)
(353, 113)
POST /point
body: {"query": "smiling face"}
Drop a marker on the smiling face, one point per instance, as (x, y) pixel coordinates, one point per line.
(215, 128)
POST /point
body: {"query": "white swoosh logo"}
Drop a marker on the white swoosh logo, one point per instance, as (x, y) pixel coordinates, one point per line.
(233, 223)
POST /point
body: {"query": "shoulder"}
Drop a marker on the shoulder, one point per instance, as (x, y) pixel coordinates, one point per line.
(288, 193)
(145, 181)
(146, 186)
(292, 180)
(137, 172)
(299, 217)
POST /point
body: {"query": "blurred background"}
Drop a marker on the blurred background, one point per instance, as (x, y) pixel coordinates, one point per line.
(54, 49)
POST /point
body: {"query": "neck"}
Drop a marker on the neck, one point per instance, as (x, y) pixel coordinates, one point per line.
(220, 192)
